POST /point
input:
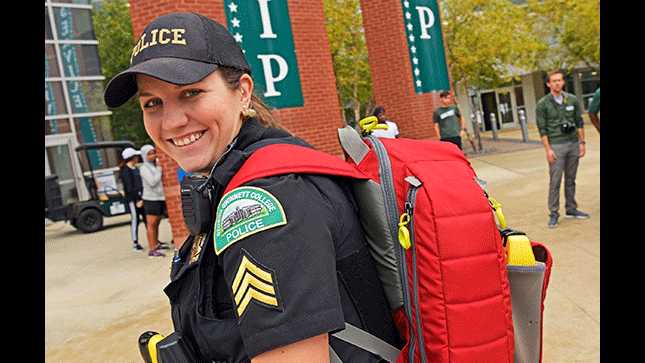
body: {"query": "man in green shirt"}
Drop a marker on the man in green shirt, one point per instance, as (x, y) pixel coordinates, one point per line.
(559, 122)
(448, 122)
(594, 108)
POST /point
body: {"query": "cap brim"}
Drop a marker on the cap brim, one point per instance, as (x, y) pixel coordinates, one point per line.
(172, 70)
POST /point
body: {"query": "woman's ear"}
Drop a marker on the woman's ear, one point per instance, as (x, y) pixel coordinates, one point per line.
(246, 88)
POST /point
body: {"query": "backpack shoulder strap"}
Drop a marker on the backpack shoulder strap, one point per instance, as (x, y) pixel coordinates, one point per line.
(277, 159)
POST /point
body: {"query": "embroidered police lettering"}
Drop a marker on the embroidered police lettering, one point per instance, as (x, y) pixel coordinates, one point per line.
(177, 36)
(153, 33)
(271, 80)
(426, 20)
(267, 31)
(161, 34)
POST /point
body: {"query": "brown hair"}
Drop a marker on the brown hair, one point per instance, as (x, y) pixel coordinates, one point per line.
(444, 94)
(557, 71)
(264, 115)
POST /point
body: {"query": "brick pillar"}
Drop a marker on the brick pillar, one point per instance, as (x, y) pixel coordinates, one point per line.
(392, 81)
(316, 121)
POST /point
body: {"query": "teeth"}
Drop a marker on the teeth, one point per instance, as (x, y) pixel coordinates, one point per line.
(187, 140)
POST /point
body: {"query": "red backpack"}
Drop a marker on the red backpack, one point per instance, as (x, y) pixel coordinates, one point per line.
(433, 236)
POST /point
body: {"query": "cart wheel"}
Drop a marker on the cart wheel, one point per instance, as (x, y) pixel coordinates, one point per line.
(90, 220)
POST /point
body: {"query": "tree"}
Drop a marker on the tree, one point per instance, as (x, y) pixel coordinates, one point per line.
(572, 30)
(488, 42)
(344, 26)
(113, 28)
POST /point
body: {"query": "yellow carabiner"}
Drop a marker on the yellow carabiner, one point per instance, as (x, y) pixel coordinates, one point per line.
(370, 123)
(497, 207)
(404, 233)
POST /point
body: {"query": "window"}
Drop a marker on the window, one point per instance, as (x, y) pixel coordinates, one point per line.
(54, 101)
(60, 126)
(82, 2)
(74, 24)
(86, 96)
(92, 129)
(51, 63)
(80, 60)
(48, 29)
(589, 82)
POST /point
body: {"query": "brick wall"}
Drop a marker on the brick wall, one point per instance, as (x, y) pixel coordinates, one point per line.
(315, 122)
(392, 80)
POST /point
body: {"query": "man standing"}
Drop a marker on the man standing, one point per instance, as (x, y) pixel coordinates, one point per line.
(594, 108)
(561, 129)
(392, 131)
(448, 122)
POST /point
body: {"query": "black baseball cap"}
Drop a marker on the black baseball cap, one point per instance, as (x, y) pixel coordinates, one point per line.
(179, 48)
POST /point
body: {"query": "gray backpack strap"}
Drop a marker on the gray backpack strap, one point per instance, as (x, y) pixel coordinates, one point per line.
(353, 144)
(368, 342)
(333, 357)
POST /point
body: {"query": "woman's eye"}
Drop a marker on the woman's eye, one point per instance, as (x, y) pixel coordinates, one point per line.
(191, 92)
(151, 103)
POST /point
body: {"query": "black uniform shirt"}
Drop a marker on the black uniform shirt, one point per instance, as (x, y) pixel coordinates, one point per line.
(280, 243)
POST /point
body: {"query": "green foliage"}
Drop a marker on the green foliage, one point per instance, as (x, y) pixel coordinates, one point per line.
(344, 26)
(113, 29)
(572, 30)
(489, 42)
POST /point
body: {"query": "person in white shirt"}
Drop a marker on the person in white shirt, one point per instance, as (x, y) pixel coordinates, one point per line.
(392, 131)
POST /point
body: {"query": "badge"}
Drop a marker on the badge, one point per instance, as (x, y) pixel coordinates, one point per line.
(196, 249)
(243, 212)
(570, 108)
(254, 282)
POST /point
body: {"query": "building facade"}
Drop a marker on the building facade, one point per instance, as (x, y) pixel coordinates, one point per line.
(74, 108)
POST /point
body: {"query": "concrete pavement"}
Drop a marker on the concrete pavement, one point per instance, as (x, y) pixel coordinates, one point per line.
(100, 294)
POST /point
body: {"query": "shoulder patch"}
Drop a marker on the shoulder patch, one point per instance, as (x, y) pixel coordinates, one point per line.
(245, 211)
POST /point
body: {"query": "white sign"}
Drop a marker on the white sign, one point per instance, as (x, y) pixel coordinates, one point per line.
(105, 181)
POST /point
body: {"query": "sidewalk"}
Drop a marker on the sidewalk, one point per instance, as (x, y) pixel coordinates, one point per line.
(100, 294)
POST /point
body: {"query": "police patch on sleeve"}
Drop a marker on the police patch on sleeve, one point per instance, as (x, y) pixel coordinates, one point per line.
(245, 211)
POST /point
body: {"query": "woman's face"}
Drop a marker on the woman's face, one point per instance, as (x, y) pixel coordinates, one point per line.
(152, 155)
(194, 123)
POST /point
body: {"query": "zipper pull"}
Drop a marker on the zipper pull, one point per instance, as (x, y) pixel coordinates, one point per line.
(404, 233)
(404, 220)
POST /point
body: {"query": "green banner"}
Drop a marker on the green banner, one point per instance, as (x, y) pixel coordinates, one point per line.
(425, 44)
(263, 30)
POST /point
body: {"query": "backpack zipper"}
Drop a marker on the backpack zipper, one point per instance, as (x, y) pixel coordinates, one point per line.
(392, 213)
(415, 184)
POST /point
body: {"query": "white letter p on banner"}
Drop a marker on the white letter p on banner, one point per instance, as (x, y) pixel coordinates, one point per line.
(426, 20)
(283, 70)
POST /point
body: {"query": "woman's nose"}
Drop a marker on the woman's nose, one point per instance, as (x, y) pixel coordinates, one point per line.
(174, 117)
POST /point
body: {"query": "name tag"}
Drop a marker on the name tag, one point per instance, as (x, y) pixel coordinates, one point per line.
(570, 108)
(447, 114)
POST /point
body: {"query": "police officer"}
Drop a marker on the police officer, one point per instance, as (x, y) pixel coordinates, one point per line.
(283, 263)
(559, 122)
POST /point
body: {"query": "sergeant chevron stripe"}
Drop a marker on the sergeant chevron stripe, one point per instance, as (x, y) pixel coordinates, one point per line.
(253, 282)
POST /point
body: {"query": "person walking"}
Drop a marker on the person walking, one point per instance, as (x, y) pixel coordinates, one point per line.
(561, 128)
(133, 191)
(594, 110)
(154, 201)
(448, 122)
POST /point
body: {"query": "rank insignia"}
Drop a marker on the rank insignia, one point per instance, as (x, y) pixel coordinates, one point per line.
(254, 282)
(243, 212)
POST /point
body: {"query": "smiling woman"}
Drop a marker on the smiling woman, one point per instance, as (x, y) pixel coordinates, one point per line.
(265, 277)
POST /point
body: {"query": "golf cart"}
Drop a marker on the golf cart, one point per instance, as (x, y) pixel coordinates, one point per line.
(105, 198)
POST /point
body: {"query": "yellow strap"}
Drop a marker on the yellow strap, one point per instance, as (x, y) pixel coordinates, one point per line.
(404, 233)
(497, 207)
(152, 347)
(370, 123)
(519, 251)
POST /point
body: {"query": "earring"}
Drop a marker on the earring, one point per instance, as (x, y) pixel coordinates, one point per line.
(248, 112)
